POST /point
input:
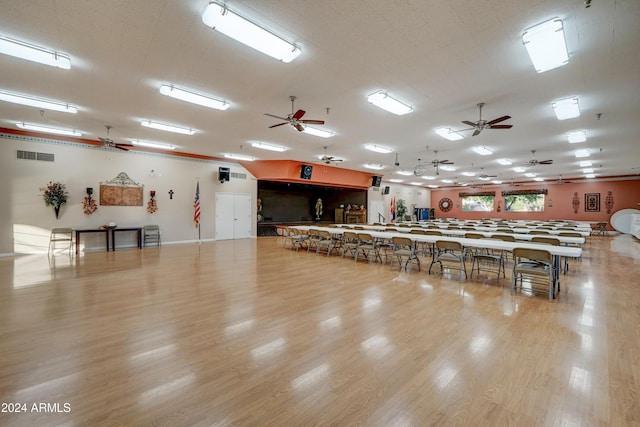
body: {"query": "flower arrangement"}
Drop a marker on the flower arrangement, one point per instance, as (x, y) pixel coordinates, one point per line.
(55, 194)
(152, 206)
(89, 205)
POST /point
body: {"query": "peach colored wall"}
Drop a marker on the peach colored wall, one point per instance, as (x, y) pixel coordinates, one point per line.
(289, 171)
(626, 195)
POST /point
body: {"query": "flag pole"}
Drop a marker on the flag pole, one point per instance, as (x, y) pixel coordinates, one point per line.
(196, 209)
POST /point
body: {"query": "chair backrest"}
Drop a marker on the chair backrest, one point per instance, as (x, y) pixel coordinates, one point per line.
(401, 241)
(365, 237)
(433, 233)
(503, 237)
(538, 232)
(567, 228)
(467, 228)
(151, 229)
(544, 228)
(333, 225)
(61, 230)
(569, 234)
(390, 229)
(540, 255)
(358, 227)
(504, 230)
(447, 245)
(350, 236)
(324, 234)
(404, 225)
(546, 240)
(473, 236)
(433, 226)
(416, 231)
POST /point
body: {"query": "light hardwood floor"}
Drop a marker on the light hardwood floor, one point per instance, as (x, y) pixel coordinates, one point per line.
(246, 333)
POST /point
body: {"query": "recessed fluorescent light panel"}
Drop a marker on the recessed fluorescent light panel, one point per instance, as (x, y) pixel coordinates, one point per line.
(270, 147)
(428, 177)
(582, 153)
(577, 136)
(566, 108)
(530, 174)
(47, 129)
(447, 168)
(378, 148)
(591, 175)
(585, 163)
(469, 173)
(505, 162)
(519, 169)
(396, 180)
(546, 45)
(495, 181)
(416, 183)
(239, 157)
(483, 151)
(448, 181)
(160, 145)
(405, 173)
(588, 170)
(538, 179)
(167, 128)
(383, 100)
(193, 97)
(220, 18)
(34, 53)
(484, 178)
(432, 186)
(375, 166)
(317, 132)
(449, 134)
(30, 101)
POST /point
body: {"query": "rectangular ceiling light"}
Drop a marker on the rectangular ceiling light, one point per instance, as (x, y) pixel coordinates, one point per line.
(219, 17)
(34, 53)
(270, 147)
(495, 181)
(530, 174)
(519, 169)
(505, 162)
(378, 148)
(375, 166)
(566, 108)
(395, 180)
(193, 97)
(160, 145)
(239, 157)
(577, 136)
(483, 151)
(587, 170)
(585, 163)
(469, 173)
(37, 102)
(582, 153)
(449, 134)
(447, 168)
(317, 132)
(383, 100)
(432, 186)
(546, 45)
(47, 129)
(167, 128)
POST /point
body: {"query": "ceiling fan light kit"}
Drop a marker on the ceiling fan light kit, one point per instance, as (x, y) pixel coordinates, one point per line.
(31, 101)
(193, 97)
(30, 52)
(167, 128)
(47, 129)
(546, 45)
(382, 99)
(567, 108)
(220, 18)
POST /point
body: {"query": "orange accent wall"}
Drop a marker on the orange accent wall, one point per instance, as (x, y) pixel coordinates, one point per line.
(289, 171)
(626, 195)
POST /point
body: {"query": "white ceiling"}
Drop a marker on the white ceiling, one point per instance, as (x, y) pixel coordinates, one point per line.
(442, 57)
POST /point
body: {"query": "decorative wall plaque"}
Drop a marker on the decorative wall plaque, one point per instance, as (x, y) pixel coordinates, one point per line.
(592, 202)
(608, 202)
(121, 191)
(575, 202)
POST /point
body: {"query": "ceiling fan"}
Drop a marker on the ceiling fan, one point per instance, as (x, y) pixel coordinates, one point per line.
(485, 176)
(480, 125)
(295, 118)
(327, 160)
(436, 163)
(534, 162)
(108, 142)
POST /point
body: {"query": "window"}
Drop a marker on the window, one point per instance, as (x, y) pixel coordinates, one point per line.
(477, 202)
(524, 200)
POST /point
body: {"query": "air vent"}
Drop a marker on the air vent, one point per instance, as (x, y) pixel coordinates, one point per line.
(32, 155)
(238, 175)
(376, 188)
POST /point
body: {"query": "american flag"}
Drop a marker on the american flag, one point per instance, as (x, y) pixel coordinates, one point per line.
(196, 206)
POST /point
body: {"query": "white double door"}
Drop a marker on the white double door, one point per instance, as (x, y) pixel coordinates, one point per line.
(233, 216)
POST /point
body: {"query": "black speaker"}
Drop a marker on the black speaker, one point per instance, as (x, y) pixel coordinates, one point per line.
(305, 171)
(223, 174)
(386, 190)
(377, 180)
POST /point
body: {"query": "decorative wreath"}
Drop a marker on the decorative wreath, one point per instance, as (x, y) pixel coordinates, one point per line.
(445, 204)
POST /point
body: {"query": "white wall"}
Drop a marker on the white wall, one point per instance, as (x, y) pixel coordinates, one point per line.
(80, 166)
(413, 196)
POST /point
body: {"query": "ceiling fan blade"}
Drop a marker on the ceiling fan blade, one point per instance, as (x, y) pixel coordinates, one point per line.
(121, 147)
(312, 122)
(298, 115)
(275, 117)
(468, 123)
(545, 162)
(279, 124)
(446, 162)
(106, 141)
(500, 126)
(476, 132)
(298, 126)
(499, 119)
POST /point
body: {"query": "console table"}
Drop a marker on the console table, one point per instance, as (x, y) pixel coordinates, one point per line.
(109, 235)
(92, 230)
(136, 229)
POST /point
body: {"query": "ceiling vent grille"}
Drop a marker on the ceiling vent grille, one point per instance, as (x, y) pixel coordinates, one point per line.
(32, 155)
(238, 175)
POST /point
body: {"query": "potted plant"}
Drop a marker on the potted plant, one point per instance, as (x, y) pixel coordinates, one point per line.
(401, 209)
(55, 194)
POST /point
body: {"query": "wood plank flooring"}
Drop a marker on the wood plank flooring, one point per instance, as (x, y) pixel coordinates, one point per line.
(247, 333)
